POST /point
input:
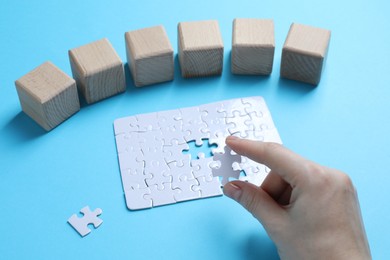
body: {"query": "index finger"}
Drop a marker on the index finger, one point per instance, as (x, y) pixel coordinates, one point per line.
(279, 159)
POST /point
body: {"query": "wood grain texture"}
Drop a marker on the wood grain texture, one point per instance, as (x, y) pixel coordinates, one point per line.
(48, 95)
(149, 55)
(304, 53)
(200, 48)
(253, 46)
(98, 70)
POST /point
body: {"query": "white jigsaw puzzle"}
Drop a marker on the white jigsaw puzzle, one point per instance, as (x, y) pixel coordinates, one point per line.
(80, 224)
(156, 172)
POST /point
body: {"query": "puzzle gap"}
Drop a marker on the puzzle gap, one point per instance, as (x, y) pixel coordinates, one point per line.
(194, 149)
(232, 179)
(242, 174)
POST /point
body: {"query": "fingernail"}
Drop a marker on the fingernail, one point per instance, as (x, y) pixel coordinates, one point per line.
(232, 138)
(232, 190)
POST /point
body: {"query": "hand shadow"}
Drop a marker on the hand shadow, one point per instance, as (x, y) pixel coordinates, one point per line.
(259, 247)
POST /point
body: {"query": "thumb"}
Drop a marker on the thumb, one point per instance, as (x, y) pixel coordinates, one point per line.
(256, 201)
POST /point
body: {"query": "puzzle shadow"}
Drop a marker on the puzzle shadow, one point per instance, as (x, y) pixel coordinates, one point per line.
(23, 128)
(255, 244)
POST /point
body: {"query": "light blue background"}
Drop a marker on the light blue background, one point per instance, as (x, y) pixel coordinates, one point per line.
(46, 177)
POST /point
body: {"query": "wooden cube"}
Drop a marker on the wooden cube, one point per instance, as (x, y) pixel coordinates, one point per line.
(48, 95)
(253, 46)
(149, 55)
(304, 53)
(98, 70)
(200, 48)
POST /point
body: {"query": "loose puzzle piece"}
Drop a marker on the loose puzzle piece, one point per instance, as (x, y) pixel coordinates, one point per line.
(89, 217)
(226, 171)
(154, 169)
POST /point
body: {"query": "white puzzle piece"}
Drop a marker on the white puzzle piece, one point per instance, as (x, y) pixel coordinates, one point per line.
(80, 224)
(133, 178)
(219, 140)
(135, 198)
(209, 187)
(154, 169)
(202, 166)
(180, 171)
(185, 188)
(160, 197)
(226, 170)
(126, 125)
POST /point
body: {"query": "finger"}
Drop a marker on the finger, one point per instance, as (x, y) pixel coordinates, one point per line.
(284, 162)
(274, 185)
(256, 201)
